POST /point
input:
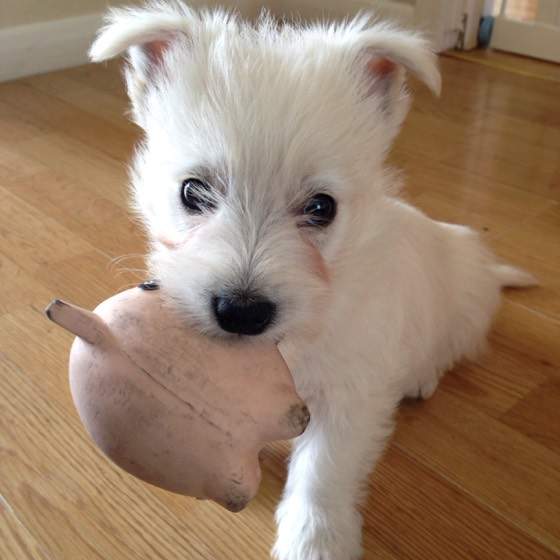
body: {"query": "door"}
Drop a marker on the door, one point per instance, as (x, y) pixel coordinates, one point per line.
(528, 27)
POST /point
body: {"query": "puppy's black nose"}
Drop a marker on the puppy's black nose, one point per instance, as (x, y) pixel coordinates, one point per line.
(243, 315)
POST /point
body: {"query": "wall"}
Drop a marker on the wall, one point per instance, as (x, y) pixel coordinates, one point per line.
(39, 36)
(21, 12)
(329, 8)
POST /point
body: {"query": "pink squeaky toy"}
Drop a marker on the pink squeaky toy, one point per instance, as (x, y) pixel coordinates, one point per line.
(180, 410)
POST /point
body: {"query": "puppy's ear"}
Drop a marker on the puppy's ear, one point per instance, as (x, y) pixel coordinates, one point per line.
(386, 53)
(145, 34)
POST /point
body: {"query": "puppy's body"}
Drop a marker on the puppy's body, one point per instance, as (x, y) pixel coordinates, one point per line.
(392, 331)
(262, 186)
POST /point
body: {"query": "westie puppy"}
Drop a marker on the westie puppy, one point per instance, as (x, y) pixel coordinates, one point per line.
(262, 185)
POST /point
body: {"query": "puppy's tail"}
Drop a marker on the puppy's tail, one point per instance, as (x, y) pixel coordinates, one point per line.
(511, 277)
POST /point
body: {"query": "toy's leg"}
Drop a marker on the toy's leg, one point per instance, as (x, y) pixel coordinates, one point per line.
(318, 517)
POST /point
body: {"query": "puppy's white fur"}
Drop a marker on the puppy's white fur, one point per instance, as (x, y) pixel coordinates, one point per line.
(372, 308)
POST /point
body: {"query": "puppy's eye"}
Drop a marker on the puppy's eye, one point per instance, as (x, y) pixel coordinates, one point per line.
(319, 210)
(197, 196)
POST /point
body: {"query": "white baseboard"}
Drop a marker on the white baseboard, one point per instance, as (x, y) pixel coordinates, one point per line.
(45, 46)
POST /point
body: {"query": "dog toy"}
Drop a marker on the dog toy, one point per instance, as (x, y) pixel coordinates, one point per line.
(177, 409)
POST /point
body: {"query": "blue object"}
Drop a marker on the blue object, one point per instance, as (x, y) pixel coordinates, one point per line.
(485, 30)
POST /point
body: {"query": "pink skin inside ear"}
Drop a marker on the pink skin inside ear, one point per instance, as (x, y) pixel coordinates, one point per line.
(381, 67)
(381, 72)
(156, 50)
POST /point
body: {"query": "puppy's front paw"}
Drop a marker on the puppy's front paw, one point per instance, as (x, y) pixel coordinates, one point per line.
(421, 388)
(306, 532)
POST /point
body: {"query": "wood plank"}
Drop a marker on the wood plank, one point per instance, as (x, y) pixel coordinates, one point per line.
(455, 195)
(16, 541)
(95, 277)
(13, 128)
(529, 67)
(106, 77)
(496, 92)
(498, 380)
(86, 97)
(458, 527)
(487, 459)
(32, 239)
(79, 162)
(535, 245)
(14, 164)
(537, 415)
(81, 209)
(29, 103)
(530, 333)
(19, 288)
(532, 168)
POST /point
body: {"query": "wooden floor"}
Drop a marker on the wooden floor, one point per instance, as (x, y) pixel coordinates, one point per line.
(472, 473)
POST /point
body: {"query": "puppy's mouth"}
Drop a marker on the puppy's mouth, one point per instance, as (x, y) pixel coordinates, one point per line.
(274, 335)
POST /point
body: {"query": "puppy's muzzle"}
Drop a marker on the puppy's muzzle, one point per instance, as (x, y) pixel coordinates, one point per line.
(240, 314)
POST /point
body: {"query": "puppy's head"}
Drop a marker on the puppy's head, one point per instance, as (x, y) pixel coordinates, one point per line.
(263, 152)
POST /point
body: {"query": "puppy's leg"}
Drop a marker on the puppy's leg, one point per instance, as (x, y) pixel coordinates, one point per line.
(318, 517)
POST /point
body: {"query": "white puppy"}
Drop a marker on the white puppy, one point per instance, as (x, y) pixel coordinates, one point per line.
(262, 185)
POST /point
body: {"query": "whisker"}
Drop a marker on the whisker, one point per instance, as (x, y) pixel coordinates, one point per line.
(126, 256)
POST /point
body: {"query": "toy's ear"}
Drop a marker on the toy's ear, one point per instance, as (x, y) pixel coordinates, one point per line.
(145, 34)
(85, 324)
(386, 53)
